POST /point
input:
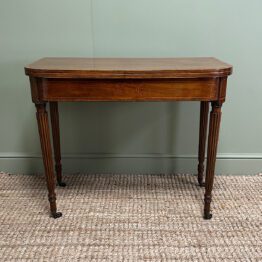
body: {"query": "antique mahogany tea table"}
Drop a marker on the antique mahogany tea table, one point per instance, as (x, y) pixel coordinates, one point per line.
(56, 80)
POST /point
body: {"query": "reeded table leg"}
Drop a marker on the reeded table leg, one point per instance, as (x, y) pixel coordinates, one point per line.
(56, 141)
(215, 117)
(204, 109)
(44, 133)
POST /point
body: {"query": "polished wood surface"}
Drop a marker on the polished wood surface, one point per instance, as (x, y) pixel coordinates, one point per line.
(128, 68)
(44, 134)
(205, 89)
(55, 80)
(215, 117)
(54, 114)
(204, 109)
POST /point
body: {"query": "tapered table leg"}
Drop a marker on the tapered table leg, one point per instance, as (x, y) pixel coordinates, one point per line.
(204, 109)
(214, 124)
(44, 133)
(56, 141)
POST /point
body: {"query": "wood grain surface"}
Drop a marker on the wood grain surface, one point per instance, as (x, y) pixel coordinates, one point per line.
(128, 68)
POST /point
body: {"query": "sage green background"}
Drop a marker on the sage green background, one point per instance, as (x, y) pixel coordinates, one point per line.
(131, 137)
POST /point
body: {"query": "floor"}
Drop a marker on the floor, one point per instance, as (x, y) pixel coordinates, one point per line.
(118, 217)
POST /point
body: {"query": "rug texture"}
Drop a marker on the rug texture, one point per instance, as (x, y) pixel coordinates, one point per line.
(130, 218)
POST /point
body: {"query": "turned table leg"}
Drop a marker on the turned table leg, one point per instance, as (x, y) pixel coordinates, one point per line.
(214, 123)
(44, 133)
(204, 109)
(54, 114)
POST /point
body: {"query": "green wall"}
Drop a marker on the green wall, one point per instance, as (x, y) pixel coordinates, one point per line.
(131, 137)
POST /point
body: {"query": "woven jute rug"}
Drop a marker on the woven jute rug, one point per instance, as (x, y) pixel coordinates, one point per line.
(130, 218)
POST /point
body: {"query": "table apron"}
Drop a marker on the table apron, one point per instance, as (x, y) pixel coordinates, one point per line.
(203, 89)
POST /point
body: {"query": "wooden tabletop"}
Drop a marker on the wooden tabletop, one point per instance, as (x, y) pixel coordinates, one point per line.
(128, 68)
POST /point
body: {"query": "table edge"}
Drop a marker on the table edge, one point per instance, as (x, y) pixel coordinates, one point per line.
(123, 74)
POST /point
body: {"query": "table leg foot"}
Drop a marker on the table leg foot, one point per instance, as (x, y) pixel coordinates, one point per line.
(208, 216)
(58, 169)
(201, 184)
(61, 184)
(56, 215)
